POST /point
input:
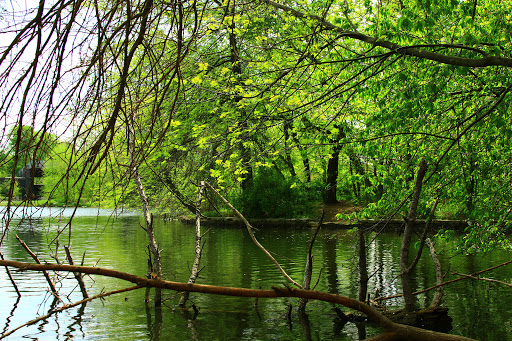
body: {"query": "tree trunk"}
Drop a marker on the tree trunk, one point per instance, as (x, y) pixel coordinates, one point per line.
(236, 68)
(303, 155)
(194, 272)
(288, 158)
(155, 270)
(405, 275)
(363, 270)
(331, 184)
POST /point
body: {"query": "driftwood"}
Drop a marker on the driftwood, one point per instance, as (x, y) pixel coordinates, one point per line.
(391, 330)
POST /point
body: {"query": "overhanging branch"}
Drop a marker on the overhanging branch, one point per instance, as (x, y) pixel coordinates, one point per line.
(398, 49)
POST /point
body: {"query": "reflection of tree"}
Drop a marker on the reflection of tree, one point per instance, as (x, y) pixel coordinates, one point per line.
(154, 329)
(330, 264)
(77, 321)
(32, 231)
(11, 314)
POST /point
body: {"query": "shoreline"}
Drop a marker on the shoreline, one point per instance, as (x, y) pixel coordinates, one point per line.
(393, 224)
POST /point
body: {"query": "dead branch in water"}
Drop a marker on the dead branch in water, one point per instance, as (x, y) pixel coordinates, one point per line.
(391, 330)
(36, 259)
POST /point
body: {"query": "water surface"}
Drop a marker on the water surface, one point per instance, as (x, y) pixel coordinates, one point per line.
(480, 309)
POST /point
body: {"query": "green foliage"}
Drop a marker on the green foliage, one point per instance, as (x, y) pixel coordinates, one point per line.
(5, 188)
(273, 196)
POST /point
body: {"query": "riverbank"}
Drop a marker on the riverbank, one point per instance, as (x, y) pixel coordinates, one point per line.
(367, 224)
(330, 221)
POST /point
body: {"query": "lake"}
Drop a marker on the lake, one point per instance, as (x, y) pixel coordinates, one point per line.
(479, 309)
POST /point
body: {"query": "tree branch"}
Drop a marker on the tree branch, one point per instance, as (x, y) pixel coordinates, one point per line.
(400, 332)
(398, 49)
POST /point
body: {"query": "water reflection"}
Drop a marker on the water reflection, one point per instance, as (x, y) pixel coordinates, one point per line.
(11, 314)
(230, 258)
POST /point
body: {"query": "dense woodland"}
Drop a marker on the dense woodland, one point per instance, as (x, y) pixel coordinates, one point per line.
(281, 106)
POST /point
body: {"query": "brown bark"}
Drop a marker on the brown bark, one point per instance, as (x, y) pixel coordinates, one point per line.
(391, 330)
(77, 275)
(194, 272)
(405, 269)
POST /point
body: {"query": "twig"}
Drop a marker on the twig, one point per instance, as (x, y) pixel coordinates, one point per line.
(445, 283)
(78, 276)
(484, 279)
(253, 237)
(45, 273)
(10, 277)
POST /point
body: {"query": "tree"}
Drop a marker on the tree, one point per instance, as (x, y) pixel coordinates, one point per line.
(177, 92)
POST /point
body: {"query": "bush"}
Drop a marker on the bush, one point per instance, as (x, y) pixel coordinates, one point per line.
(273, 196)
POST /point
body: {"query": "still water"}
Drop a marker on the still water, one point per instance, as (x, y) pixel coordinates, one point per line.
(479, 309)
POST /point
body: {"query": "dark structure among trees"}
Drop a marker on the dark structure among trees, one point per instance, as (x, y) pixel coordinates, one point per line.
(30, 188)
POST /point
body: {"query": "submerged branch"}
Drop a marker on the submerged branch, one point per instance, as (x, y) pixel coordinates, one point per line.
(36, 259)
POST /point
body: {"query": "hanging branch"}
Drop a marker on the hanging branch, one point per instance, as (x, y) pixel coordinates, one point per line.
(253, 237)
(194, 272)
(418, 51)
(45, 273)
(78, 276)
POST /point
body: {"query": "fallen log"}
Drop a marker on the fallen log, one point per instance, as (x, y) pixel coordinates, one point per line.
(391, 330)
